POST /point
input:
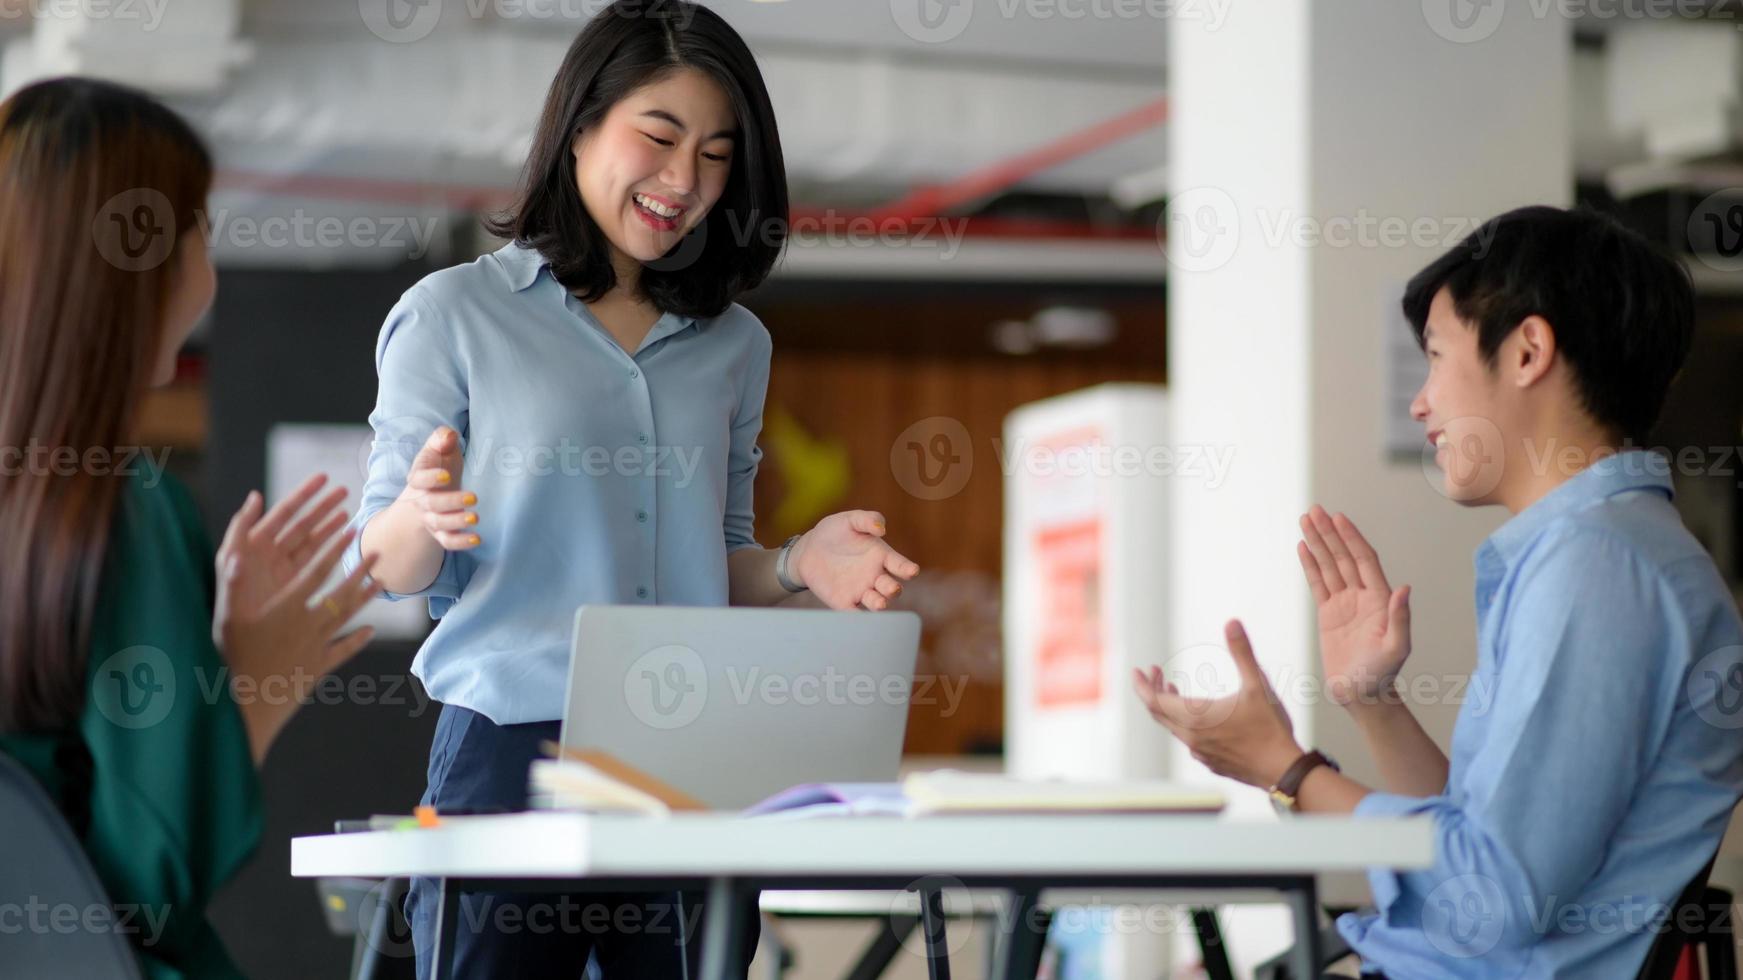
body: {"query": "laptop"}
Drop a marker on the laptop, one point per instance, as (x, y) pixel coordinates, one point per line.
(732, 705)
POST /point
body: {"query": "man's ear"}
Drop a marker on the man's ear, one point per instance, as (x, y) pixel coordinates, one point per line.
(1534, 351)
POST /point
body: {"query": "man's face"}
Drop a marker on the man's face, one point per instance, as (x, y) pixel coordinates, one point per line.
(1464, 407)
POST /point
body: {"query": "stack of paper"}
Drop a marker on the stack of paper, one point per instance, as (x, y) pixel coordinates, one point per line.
(598, 783)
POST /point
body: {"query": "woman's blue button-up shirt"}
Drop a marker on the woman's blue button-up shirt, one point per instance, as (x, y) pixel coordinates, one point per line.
(601, 477)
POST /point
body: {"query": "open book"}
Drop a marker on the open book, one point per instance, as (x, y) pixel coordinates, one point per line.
(945, 791)
(597, 782)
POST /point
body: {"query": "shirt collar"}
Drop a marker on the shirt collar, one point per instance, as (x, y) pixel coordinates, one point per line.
(523, 264)
(1635, 469)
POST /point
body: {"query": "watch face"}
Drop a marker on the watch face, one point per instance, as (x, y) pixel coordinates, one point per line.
(1284, 806)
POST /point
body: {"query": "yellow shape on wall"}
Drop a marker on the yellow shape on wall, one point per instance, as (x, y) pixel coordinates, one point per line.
(815, 471)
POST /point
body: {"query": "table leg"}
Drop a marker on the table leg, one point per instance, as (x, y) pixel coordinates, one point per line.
(1304, 902)
(447, 924)
(722, 931)
(1211, 949)
(937, 945)
(882, 950)
(369, 953)
(1024, 939)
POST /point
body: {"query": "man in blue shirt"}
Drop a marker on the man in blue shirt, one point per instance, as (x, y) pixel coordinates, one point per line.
(1595, 765)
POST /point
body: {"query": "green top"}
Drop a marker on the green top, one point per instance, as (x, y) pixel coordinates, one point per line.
(174, 803)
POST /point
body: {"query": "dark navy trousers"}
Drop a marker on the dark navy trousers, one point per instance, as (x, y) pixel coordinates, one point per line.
(478, 764)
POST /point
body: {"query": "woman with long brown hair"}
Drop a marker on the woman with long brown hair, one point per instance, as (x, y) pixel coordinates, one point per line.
(132, 665)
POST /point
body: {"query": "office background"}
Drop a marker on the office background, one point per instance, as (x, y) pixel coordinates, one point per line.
(981, 222)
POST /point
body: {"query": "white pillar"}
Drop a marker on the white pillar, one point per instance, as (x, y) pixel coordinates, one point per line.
(1321, 152)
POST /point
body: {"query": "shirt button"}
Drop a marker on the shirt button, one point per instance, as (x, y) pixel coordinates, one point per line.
(642, 516)
(641, 593)
(643, 438)
(634, 373)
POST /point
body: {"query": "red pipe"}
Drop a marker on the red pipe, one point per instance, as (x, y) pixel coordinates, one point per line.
(913, 215)
(340, 188)
(997, 177)
(923, 203)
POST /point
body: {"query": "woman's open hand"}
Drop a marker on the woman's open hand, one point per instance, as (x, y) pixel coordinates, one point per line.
(845, 562)
(433, 487)
(276, 644)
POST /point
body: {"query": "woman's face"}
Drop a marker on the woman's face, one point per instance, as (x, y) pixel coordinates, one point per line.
(193, 283)
(652, 168)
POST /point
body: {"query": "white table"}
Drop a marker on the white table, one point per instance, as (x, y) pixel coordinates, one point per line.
(735, 857)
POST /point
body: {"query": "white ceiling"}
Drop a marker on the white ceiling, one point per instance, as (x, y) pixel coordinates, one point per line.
(870, 101)
(1119, 35)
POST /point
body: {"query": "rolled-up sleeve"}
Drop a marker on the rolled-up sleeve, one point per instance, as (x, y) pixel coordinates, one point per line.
(422, 385)
(1581, 703)
(744, 455)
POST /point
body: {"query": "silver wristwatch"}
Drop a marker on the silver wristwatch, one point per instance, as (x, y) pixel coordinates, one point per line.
(781, 559)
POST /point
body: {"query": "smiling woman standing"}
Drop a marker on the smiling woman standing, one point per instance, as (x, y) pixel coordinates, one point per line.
(573, 419)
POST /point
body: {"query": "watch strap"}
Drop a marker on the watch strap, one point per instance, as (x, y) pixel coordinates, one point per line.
(1288, 787)
(781, 574)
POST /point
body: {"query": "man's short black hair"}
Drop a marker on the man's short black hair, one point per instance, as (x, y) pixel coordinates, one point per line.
(1621, 308)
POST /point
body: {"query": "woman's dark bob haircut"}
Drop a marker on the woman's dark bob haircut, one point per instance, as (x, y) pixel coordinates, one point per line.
(627, 45)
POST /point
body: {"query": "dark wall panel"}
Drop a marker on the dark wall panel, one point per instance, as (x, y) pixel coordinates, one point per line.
(298, 347)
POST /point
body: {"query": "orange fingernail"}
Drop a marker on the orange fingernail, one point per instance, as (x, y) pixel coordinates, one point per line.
(443, 477)
(469, 499)
(472, 518)
(475, 539)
